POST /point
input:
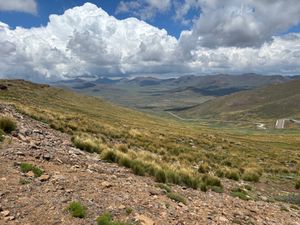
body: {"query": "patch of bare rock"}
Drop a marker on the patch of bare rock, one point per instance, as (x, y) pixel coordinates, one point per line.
(73, 175)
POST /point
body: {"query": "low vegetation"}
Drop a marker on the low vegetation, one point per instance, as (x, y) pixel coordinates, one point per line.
(26, 167)
(76, 209)
(293, 198)
(241, 193)
(1, 135)
(128, 210)
(106, 219)
(177, 197)
(86, 143)
(7, 124)
(165, 187)
(23, 181)
(297, 185)
(251, 174)
(233, 174)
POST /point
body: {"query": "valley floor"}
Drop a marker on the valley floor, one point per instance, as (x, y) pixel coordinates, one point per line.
(71, 174)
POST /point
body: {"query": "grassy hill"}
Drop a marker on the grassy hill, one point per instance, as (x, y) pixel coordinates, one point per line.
(174, 152)
(270, 102)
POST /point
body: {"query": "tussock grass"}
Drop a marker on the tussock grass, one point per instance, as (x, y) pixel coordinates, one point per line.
(162, 175)
(233, 174)
(240, 193)
(203, 168)
(7, 124)
(177, 197)
(251, 174)
(106, 219)
(211, 180)
(26, 167)
(77, 209)
(165, 187)
(86, 143)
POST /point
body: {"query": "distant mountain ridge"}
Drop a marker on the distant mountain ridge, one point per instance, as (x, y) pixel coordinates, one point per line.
(155, 94)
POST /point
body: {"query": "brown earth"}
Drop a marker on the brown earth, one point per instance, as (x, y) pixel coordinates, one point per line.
(71, 174)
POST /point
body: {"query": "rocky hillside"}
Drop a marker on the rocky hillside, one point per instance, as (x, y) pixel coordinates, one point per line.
(72, 175)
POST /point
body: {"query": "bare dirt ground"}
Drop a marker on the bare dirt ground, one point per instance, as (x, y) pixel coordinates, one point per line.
(71, 174)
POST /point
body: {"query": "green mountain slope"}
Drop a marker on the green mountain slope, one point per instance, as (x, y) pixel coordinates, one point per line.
(271, 102)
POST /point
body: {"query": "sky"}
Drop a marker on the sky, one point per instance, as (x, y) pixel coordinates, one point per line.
(47, 40)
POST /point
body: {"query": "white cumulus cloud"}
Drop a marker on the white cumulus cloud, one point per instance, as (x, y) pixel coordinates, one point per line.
(247, 23)
(86, 40)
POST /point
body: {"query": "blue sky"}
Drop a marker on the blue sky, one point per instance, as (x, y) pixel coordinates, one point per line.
(203, 37)
(47, 7)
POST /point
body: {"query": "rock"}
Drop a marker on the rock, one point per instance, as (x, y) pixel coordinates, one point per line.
(122, 207)
(5, 213)
(182, 205)
(30, 174)
(144, 220)
(20, 154)
(1, 209)
(106, 184)
(22, 137)
(9, 218)
(222, 219)
(47, 157)
(44, 178)
(154, 192)
(263, 198)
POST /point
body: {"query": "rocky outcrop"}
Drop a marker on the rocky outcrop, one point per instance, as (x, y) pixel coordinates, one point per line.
(70, 174)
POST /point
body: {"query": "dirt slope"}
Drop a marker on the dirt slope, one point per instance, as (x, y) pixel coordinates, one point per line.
(75, 175)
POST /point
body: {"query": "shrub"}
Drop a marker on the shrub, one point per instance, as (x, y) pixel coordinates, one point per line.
(106, 219)
(176, 197)
(86, 144)
(26, 167)
(232, 174)
(251, 175)
(77, 209)
(211, 181)
(7, 124)
(297, 185)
